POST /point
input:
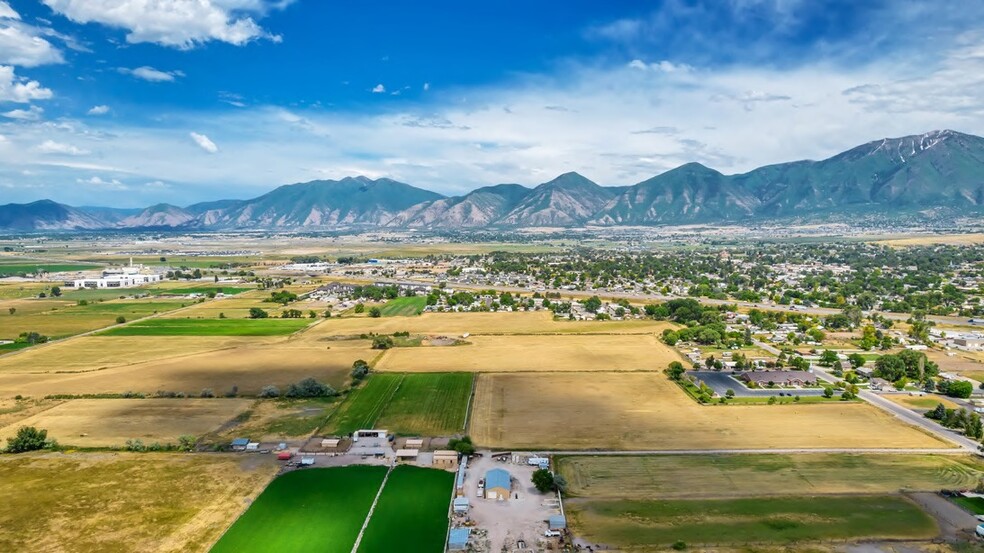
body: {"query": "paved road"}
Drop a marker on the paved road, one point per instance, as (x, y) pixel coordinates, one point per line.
(908, 415)
(774, 451)
(954, 522)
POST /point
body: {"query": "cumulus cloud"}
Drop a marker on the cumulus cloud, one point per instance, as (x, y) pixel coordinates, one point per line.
(204, 142)
(6, 12)
(98, 110)
(32, 113)
(148, 73)
(181, 24)
(50, 147)
(378, 89)
(105, 184)
(20, 90)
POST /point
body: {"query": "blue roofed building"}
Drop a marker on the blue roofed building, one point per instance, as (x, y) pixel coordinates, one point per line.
(557, 522)
(458, 539)
(498, 484)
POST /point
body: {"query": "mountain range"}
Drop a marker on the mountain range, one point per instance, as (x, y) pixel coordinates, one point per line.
(913, 174)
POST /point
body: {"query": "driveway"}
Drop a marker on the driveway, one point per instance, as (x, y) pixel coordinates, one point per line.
(721, 382)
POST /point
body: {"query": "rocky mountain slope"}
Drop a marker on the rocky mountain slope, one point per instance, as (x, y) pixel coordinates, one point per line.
(909, 175)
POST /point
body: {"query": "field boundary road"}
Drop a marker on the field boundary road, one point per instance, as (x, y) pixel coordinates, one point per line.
(372, 509)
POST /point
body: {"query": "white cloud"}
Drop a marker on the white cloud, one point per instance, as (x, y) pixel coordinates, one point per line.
(204, 142)
(21, 45)
(99, 182)
(6, 12)
(148, 73)
(378, 89)
(98, 110)
(50, 147)
(178, 23)
(16, 89)
(32, 113)
(661, 66)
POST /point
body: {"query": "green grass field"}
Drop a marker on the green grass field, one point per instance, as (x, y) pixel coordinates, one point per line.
(973, 504)
(14, 269)
(412, 513)
(429, 404)
(307, 510)
(636, 524)
(210, 327)
(364, 405)
(425, 404)
(404, 307)
(6, 348)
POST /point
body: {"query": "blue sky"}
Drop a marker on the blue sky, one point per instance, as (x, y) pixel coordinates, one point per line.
(132, 102)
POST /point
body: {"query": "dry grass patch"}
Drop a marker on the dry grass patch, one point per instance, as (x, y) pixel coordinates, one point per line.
(455, 324)
(536, 353)
(102, 502)
(111, 422)
(250, 368)
(932, 239)
(707, 476)
(89, 353)
(631, 411)
(926, 402)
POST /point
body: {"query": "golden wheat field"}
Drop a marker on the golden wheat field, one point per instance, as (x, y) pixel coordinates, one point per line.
(645, 411)
(457, 324)
(111, 422)
(508, 353)
(98, 502)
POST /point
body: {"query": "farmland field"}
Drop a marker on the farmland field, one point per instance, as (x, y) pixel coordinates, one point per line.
(428, 405)
(100, 364)
(644, 524)
(647, 411)
(58, 318)
(452, 324)
(628, 352)
(707, 476)
(364, 405)
(210, 327)
(412, 513)
(98, 502)
(404, 307)
(307, 510)
(18, 268)
(411, 404)
(111, 422)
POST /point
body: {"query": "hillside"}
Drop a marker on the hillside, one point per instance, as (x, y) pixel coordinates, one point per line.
(888, 177)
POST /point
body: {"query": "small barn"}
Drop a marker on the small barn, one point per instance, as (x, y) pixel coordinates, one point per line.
(446, 459)
(498, 484)
(329, 443)
(461, 505)
(239, 444)
(414, 443)
(406, 455)
(307, 461)
(458, 539)
(557, 522)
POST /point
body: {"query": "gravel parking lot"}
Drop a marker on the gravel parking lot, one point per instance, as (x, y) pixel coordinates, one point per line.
(522, 518)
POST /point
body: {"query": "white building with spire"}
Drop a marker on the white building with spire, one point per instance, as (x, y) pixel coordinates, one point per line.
(124, 277)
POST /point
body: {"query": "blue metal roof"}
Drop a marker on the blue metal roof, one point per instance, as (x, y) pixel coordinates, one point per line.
(557, 522)
(459, 537)
(240, 441)
(497, 478)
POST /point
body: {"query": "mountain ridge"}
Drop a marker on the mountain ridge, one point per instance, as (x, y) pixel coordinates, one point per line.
(911, 174)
